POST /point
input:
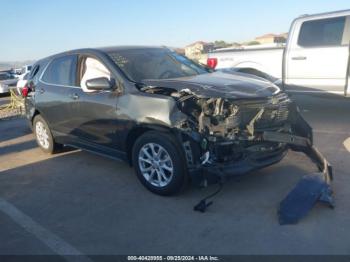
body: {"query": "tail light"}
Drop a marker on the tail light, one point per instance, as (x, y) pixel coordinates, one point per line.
(212, 62)
(25, 91)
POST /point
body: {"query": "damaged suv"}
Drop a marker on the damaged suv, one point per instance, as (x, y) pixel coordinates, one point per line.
(172, 119)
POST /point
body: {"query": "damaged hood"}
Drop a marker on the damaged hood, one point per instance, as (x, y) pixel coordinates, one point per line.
(219, 84)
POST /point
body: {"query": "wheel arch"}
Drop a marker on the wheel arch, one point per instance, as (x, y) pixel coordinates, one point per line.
(35, 113)
(252, 66)
(138, 131)
(255, 69)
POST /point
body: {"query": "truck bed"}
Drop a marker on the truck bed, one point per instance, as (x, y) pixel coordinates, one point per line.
(267, 60)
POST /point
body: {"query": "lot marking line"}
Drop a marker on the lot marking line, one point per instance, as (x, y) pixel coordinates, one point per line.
(346, 144)
(54, 242)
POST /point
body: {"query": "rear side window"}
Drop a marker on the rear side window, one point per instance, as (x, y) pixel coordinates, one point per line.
(61, 71)
(26, 76)
(34, 72)
(318, 33)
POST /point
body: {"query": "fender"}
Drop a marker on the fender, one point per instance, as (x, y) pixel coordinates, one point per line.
(140, 129)
(252, 65)
(261, 70)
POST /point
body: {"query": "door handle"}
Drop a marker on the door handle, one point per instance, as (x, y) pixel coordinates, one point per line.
(41, 91)
(299, 58)
(74, 96)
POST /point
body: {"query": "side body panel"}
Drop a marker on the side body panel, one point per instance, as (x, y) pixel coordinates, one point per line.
(266, 60)
(319, 68)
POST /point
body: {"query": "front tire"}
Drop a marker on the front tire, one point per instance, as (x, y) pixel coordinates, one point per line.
(159, 163)
(44, 136)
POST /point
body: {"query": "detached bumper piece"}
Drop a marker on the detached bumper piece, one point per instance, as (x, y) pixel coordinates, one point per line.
(308, 191)
(311, 188)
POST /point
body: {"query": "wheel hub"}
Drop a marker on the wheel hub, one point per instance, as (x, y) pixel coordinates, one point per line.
(155, 164)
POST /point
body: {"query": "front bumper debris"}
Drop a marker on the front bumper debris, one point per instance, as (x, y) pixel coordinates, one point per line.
(213, 172)
(312, 188)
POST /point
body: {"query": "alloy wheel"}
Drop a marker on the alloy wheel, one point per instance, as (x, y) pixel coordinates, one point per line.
(156, 164)
(42, 135)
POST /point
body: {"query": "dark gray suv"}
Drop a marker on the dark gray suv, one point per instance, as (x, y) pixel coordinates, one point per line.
(171, 118)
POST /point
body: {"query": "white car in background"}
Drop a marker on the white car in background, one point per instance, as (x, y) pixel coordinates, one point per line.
(24, 70)
(6, 81)
(22, 82)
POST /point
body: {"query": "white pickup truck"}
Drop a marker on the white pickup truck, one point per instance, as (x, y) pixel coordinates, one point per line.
(315, 58)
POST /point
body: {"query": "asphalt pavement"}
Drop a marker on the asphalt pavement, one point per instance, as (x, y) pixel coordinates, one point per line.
(76, 202)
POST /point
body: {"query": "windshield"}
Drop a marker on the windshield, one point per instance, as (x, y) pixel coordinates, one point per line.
(157, 63)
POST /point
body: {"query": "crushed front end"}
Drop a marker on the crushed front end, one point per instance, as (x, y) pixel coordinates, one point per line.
(230, 137)
(225, 136)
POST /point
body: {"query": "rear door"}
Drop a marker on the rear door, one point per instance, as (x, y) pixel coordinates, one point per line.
(317, 58)
(53, 94)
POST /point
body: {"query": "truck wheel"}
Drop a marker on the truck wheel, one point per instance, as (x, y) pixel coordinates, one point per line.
(159, 163)
(44, 137)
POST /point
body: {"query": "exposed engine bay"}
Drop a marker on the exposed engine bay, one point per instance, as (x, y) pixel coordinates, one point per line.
(224, 137)
(229, 129)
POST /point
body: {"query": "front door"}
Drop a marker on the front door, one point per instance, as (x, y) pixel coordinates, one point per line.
(96, 116)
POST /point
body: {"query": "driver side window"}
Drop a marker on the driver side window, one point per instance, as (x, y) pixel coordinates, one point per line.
(91, 68)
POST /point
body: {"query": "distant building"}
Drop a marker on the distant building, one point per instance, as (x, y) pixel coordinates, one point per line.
(272, 38)
(180, 51)
(198, 49)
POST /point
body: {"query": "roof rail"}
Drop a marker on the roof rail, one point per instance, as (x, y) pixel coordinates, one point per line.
(325, 13)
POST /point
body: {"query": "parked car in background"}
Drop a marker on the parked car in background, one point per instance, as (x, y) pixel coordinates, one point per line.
(22, 82)
(24, 70)
(17, 71)
(315, 59)
(6, 81)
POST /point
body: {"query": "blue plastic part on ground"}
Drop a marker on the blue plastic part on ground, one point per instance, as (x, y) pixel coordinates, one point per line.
(307, 192)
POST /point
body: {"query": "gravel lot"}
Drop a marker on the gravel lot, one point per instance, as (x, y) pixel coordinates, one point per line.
(95, 205)
(7, 113)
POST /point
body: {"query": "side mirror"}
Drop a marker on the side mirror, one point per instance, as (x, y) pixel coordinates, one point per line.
(101, 83)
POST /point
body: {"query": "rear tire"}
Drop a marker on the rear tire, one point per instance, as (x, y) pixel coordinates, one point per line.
(159, 163)
(44, 136)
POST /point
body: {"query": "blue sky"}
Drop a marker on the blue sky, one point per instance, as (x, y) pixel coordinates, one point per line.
(33, 29)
